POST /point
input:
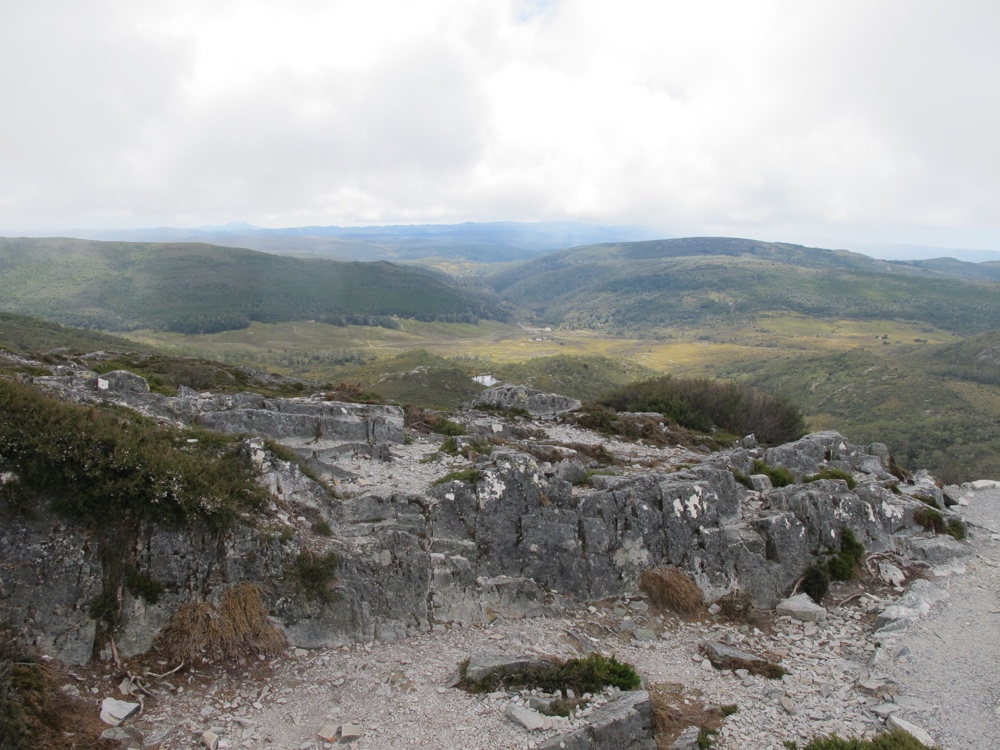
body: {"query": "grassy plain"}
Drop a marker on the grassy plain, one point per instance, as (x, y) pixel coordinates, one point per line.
(315, 350)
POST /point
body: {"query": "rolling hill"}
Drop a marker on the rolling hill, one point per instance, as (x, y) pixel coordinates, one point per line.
(700, 281)
(197, 288)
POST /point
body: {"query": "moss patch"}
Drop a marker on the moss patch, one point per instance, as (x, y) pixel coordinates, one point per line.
(590, 674)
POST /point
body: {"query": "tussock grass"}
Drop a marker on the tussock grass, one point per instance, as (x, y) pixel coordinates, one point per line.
(672, 590)
(238, 628)
(672, 713)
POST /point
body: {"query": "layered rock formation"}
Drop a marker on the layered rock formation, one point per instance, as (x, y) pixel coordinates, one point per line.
(512, 536)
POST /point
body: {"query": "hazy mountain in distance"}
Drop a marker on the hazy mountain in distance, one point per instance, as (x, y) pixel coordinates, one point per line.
(924, 252)
(491, 242)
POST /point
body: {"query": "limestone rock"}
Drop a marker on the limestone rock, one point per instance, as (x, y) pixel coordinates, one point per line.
(622, 724)
(687, 740)
(210, 740)
(760, 482)
(801, 607)
(895, 722)
(114, 711)
(526, 717)
(537, 403)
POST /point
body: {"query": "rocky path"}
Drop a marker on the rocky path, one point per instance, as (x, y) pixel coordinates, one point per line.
(947, 665)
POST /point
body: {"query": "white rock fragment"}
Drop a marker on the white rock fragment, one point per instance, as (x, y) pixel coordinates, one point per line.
(894, 722)
(114, 711)
(802, 608)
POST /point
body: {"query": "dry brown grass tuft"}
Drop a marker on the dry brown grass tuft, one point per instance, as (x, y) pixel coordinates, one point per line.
(199, 632)
(672, 590)
(672, 713)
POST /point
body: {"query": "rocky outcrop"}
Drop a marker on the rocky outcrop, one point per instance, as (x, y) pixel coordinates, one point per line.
(513, 538)
(536, 403)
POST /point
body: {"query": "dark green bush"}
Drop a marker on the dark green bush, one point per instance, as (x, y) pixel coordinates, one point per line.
(816, 582)
(927, 500)
(895, 740)
(706, 405)
(100, 465)
(828, 472)
(590, 674)
(779, 475)
(956, 529)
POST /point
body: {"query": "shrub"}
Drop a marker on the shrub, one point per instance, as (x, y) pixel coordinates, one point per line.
(671, 590)
(956, 529)
(101, 464)
(704, 405)
(816, 582)
(928, 500)
(428, 421)
(895, 740)
(930, 519)
(779, 475)
(313, 574)
(828, 472)
(740, 477)
(590, 674)
(844, 566)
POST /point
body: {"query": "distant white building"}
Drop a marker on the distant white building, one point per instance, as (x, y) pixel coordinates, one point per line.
(487, 380)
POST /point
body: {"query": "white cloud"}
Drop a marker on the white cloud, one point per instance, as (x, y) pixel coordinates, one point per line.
(784, 120)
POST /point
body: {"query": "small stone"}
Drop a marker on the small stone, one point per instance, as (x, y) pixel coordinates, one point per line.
(687, 740)
(301, 652)
(210, 740)
(349, 733)
(328, 733)
(786, 703)
(530, 720)
(114, 711)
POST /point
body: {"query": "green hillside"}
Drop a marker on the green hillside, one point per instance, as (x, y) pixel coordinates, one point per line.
(934, 407)
(197, 288)
(703, 281)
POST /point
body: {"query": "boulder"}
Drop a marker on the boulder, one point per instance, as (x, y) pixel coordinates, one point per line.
(801, 608)
(114, 711)
(895, 722)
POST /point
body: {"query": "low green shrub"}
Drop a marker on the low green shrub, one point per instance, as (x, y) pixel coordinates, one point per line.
(740, 477)
(928, 500)
(930, 519)
(828, 472)
(779, 475)
(313, 574)
(590, 674)
(895, 740)
(955, 529)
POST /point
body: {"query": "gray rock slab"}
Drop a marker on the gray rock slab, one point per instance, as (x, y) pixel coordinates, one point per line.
(622, 724)
(687, 740)
(895, 722)
(801, 607)
(114, 711)
(525, 717)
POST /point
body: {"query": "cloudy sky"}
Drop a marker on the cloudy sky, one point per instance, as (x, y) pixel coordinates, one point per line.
(816, 122)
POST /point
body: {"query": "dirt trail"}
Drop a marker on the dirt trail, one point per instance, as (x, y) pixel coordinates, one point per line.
(951, 660)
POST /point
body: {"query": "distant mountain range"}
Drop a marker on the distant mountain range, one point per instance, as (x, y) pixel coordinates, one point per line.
(480, 242)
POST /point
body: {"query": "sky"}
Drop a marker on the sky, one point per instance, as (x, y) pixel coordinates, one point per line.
(820, 122)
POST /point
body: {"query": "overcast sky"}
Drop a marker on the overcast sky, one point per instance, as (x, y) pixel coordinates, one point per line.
(814, 122)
